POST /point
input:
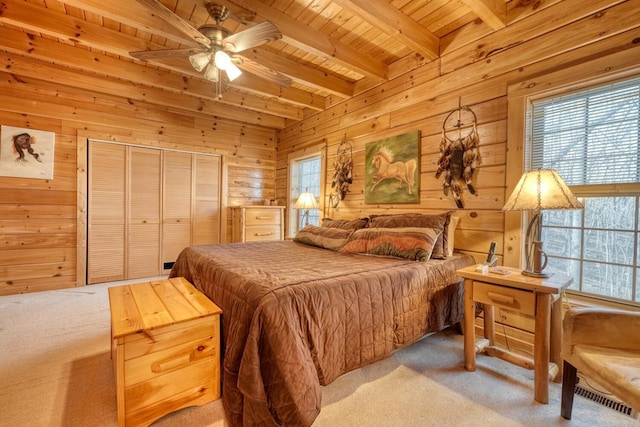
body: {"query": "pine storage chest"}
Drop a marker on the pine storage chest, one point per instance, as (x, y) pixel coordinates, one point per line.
(165, 348)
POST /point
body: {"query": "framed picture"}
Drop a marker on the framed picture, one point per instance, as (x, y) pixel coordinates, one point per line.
(392, 169)
(26, 153)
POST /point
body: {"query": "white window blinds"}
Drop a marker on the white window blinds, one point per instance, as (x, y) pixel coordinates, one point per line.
(590, 137)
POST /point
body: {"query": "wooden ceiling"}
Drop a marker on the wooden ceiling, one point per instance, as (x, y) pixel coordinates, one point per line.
(331, 50)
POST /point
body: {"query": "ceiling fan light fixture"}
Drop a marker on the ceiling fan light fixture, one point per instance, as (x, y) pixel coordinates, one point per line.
(199, 60)
(233, 72)
(212, 73)
(222, 59)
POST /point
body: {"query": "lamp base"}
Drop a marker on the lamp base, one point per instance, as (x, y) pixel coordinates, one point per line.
(541, 274)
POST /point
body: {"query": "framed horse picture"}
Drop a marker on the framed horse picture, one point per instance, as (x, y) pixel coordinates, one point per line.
(392, 169)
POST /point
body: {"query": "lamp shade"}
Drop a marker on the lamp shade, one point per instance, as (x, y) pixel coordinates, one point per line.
(541, 189)
(306, 200)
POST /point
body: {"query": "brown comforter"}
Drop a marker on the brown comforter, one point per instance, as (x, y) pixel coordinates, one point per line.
(296, 317)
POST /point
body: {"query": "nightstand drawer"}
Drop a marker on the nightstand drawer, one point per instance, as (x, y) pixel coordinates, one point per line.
(258, 216)
(257, 233)
(502, 296)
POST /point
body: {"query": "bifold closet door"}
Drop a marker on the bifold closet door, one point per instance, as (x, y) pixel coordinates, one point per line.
(206, 211)
(106, 213)
(176, 205)
(143, 222)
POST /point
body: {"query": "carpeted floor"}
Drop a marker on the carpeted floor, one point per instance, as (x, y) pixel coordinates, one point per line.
(55, 370)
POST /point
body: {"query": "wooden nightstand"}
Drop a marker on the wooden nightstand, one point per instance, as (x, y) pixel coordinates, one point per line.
(528, 295)
(165, 348)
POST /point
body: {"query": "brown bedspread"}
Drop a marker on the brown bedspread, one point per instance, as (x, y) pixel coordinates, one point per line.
(296, 317)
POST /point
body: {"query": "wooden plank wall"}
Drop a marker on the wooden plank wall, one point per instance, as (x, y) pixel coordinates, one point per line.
(474, 71)
(38, 218)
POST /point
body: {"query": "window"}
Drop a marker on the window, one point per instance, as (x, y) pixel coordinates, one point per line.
(304, 175)
(592, 138)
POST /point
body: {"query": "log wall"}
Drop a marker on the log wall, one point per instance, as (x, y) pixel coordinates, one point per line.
(474, 71)
(42, 236)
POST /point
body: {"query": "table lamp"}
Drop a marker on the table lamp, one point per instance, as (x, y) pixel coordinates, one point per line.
(536, 191)
(306, 201)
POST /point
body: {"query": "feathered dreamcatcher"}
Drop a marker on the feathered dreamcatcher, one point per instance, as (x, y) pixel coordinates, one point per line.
(342, 173)
(458, 157)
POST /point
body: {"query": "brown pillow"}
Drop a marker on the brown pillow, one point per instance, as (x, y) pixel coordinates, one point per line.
(438, 222)
(345, 224)
(413, 243)
(327, 238)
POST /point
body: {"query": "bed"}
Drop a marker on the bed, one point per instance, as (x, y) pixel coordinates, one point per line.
(297, 316)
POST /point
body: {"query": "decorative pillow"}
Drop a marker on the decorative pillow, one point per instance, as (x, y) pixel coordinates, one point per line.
(402, 242)
(346, 224)
(327, 238)
(438, 222)
(452, 234)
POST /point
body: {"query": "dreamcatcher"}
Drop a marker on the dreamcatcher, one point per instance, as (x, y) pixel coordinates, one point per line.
(342, 173)
(458, 157)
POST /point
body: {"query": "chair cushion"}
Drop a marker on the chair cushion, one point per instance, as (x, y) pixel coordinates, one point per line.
(616, 370)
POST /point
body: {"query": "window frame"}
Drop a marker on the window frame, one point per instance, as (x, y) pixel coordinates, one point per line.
(603, 70)
(318, 150)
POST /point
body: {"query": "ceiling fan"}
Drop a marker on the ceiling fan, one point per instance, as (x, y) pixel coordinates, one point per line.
(216, 57)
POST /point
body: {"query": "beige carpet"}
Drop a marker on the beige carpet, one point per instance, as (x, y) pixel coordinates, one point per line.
(55, 370)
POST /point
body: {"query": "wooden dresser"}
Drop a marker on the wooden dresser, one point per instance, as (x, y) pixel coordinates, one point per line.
(257, 223)
(165, 348)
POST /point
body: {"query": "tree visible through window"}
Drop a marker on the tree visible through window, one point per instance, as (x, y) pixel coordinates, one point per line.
(591, 138)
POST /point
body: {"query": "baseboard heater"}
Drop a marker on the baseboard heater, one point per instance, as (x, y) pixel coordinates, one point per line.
(602, 397)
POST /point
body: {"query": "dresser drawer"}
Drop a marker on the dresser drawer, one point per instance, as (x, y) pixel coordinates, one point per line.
(504, 297)
(258, 233)
(258, 216)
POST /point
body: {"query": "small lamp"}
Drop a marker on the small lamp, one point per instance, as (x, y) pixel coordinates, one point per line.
(306, 201)
(538, 190)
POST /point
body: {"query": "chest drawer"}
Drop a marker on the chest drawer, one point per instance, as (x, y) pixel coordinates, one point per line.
(257, 223)
(257, 233)
(505, 297)
(258, 216)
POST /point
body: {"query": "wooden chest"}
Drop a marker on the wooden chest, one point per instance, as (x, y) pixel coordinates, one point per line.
(257, 223)
(165, 347)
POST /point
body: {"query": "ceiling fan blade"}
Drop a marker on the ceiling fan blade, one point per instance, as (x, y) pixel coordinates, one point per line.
(182, 24)
(164, 53)
(264, 72)
(252, 37)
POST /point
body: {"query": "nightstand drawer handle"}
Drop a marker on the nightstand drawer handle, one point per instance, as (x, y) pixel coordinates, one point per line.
(505, 299)
(174, 362)
(263, 234)
(263, 217)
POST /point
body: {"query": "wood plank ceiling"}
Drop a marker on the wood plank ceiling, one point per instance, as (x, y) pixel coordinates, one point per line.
(331, 50)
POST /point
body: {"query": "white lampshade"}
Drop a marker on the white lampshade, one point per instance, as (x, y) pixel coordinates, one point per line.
(211, 73)
(223, 62)
(199, 60)
(233, 72)
(306, 200)
(541, 189)
(222, 59)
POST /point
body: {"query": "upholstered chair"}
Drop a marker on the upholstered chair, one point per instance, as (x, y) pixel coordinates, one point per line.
(604, 345)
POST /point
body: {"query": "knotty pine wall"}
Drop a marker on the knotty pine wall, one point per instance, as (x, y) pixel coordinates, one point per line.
(551, 44)
(40, 240)
(541, 38)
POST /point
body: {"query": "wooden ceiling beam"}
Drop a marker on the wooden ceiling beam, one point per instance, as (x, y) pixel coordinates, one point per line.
(301, 74)
(492, 12)
(130, 13)
(308, 39)
(388, 18)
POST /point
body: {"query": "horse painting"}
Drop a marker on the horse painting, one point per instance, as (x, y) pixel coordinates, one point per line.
(386, 168)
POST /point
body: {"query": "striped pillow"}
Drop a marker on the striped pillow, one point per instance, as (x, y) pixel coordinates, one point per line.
(414, 243)
(323, 237)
